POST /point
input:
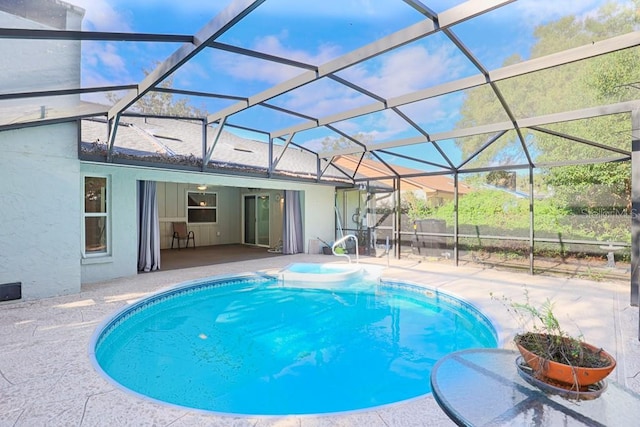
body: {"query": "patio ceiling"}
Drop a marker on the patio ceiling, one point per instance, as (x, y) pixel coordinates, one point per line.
(332, 78)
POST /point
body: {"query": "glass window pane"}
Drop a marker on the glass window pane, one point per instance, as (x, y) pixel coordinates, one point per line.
(95, 234)
(95, 195)
(203, 199)
(203, 215)
(263, 220)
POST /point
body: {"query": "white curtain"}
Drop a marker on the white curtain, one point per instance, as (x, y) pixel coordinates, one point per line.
(148, 227)
(292, 239)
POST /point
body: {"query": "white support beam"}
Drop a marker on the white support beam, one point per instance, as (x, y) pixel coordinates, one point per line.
(635, 208)
(112, 131)
(583, 113)
(568, 56)
(284, 148)
(566, 116)
(216, 136)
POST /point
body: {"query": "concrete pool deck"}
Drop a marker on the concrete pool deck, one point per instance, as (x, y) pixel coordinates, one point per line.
(47, 378)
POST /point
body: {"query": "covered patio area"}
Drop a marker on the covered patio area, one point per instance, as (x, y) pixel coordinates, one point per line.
(47, 378)
(173, 259)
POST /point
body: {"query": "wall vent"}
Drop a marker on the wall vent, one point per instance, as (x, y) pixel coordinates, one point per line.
(10, 291)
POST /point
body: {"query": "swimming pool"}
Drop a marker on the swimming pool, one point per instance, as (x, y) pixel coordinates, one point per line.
(250, 345)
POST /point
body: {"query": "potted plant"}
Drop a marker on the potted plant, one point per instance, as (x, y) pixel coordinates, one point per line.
(555, 356)
(363, 240)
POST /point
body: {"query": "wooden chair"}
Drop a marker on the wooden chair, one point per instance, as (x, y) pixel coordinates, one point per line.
(180, 233)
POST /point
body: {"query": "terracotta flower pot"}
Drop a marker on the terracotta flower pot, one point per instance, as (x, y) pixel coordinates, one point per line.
(567, 374)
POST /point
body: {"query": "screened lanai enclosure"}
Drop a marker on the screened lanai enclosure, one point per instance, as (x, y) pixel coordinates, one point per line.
(502, 133)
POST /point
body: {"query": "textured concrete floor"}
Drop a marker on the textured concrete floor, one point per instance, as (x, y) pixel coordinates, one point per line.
(47, 378)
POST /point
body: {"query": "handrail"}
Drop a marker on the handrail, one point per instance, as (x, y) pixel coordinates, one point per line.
(342, 240)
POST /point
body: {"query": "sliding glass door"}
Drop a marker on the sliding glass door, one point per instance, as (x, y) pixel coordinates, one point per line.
(256, 219)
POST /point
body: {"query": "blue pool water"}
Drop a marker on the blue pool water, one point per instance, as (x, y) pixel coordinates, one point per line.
(249, 345)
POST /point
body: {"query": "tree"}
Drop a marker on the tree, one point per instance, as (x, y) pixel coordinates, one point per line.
(591, 82)
(162, 103)
(504, 179)
(332, 143)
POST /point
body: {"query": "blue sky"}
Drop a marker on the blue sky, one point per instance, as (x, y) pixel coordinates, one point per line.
(315, 32)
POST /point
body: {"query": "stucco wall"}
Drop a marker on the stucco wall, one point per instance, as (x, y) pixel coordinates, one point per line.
(318, 211)
(121, 260)
(40, 201)
(40, 206)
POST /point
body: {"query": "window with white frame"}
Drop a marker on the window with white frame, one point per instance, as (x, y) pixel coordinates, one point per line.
(96, 215)
(202, 207)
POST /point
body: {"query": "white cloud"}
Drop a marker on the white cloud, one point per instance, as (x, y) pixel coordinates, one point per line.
(251, 69)
(190, 74)
(426, 111)
(322, 98)
(109, 58)
(409, 69)
(105, 57)
(401, 72)
(102, 59)
(406, 70)
(355, 9)
(184, 7)
(383, 126)
(271, 44)
(536, 12)
(101, 15)
(391, 126)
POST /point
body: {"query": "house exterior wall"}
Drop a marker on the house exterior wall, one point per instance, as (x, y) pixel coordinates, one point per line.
(41, 180)
(40, 208)
(122, 257)
(40, 203)
(42, 215)
(318, 211)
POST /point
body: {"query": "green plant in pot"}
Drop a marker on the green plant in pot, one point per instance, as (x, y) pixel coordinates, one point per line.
(363, 240)
(555, 356)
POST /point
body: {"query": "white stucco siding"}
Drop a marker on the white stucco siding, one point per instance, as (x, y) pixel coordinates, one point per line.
(40, 207)
(319, 214)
